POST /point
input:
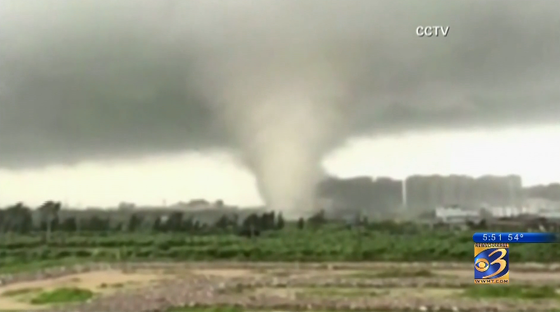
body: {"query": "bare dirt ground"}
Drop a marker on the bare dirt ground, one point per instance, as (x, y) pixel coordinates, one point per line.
(288, 287)
(16, 296)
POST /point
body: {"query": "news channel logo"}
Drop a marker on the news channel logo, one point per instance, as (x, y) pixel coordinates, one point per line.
(491, 263)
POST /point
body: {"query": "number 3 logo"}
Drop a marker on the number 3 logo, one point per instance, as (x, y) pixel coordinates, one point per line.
(500, 260)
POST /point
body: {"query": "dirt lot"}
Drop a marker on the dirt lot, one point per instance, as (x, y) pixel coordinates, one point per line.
(287, 287)
(15, 296)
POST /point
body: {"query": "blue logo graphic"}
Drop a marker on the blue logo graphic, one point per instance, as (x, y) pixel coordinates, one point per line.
(491, 264)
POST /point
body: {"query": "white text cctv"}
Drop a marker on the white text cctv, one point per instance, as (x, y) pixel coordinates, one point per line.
(432, 31)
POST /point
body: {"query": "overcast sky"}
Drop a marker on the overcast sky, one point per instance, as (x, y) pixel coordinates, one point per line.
(131, 98)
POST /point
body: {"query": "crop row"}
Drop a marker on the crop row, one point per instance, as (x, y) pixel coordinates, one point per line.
(427, 251)
(322, 245)
(286, 238)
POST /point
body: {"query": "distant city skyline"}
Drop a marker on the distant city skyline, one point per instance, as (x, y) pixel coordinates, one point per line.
(530, 153)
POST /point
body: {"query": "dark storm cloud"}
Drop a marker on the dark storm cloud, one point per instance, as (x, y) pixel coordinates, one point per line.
(100, 79)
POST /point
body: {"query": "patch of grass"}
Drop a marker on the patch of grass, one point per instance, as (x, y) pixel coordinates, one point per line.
(396, 273)
(19, 292)
(511, 291)
(63, 295)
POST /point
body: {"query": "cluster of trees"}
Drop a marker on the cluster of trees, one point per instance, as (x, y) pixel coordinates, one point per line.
(50, 217)
(46, 218)
(18, 218)
(180, 235)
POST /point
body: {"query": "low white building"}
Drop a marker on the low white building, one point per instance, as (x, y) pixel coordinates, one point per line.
(538, 207)
(456, 214)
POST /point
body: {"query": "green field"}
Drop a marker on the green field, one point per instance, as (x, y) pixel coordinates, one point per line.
(324, 244)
